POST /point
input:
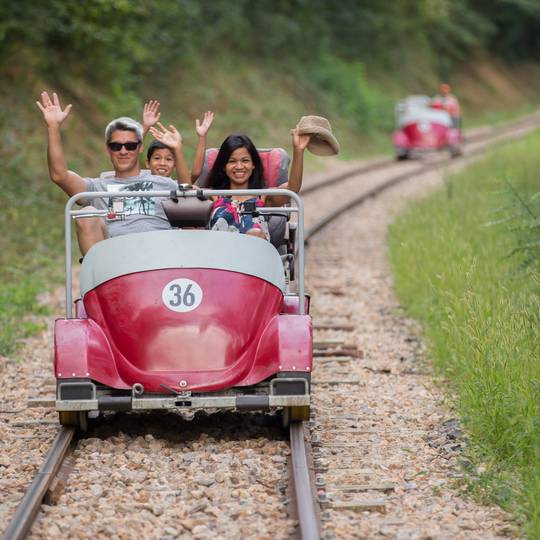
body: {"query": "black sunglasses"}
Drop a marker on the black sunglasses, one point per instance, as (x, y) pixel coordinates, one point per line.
(117, 146)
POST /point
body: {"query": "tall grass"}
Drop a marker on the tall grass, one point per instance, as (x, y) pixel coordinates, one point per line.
(458, 271)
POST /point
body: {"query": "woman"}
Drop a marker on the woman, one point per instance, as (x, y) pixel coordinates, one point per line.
(238, 166)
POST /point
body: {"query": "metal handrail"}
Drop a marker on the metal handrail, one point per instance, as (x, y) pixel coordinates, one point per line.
(181, 193)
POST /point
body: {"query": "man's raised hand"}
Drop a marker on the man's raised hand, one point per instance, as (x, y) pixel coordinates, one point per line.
(150, 114)
(52, 110)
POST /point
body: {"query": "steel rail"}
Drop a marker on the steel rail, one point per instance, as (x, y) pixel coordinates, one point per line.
(26, 512)
(305, 498)
(361, 169)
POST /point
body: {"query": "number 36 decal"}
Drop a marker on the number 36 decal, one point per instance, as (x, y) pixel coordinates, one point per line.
(182, 295)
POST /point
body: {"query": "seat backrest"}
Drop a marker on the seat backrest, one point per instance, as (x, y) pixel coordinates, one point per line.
(275, 163)
(187, 212)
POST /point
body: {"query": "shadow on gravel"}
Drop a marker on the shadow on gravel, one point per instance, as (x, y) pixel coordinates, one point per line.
(174, 427)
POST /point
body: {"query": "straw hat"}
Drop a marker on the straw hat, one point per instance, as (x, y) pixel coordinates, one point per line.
(323, 142)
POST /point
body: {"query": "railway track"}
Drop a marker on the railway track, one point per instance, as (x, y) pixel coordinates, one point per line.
(333, 354)
(26, 512)
(347, 486)
(66, 440)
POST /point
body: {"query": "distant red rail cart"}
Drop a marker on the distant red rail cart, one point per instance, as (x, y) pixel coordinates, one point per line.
(423, 125)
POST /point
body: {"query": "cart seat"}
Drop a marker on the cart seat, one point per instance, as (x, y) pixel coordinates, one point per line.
(275, 163)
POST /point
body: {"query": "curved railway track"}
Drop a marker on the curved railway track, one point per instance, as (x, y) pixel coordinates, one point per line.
(354, 194)
(326, 352)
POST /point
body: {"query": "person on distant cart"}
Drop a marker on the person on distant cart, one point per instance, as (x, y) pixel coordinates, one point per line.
(448, 102)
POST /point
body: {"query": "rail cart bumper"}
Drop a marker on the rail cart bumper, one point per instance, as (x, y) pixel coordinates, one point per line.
(240, 402)
(288, 389)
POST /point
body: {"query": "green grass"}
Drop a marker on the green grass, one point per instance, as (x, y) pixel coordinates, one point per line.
(500, 116)
(31, 221)
(30, 260)
(480, 310)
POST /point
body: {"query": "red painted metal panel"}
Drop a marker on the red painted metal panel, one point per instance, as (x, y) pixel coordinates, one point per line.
(286, 345)
(426, 136)
(210, 347)
(400, 139)
(82, 350)
(429, 136)
(455, 137)
(80, 312)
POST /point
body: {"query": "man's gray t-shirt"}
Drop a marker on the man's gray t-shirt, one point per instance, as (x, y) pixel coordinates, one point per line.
(142, 213)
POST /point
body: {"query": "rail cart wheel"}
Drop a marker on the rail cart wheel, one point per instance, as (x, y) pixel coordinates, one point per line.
(299, 413)
(402, 154)
(78, 419)
(455, 151)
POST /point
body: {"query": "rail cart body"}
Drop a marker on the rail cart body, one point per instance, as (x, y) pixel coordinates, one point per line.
(185, 319)
(421, 126)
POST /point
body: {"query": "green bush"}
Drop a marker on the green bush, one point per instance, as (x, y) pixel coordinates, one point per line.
(351, 95)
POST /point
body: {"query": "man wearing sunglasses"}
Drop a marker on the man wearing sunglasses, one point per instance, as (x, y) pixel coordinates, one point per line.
(123, 138)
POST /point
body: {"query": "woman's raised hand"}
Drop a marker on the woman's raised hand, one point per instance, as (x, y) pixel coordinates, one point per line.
(52, 110)
(168, 136)
(299, 141)
(150, 114)
(202, 128)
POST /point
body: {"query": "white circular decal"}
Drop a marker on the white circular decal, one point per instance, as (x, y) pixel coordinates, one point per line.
(182, 295)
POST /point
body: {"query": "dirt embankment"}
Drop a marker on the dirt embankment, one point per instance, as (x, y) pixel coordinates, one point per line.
(487, 86)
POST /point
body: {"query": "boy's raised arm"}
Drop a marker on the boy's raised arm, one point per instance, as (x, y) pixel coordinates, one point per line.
(202, 130)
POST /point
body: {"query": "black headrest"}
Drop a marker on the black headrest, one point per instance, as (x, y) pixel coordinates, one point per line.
(188, 212)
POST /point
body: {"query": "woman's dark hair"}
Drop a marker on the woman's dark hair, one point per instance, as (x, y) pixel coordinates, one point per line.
(154, 145)
(217, 179)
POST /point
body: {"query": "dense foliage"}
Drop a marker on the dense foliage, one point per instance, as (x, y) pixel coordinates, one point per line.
(515, 25)
(127, 38)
